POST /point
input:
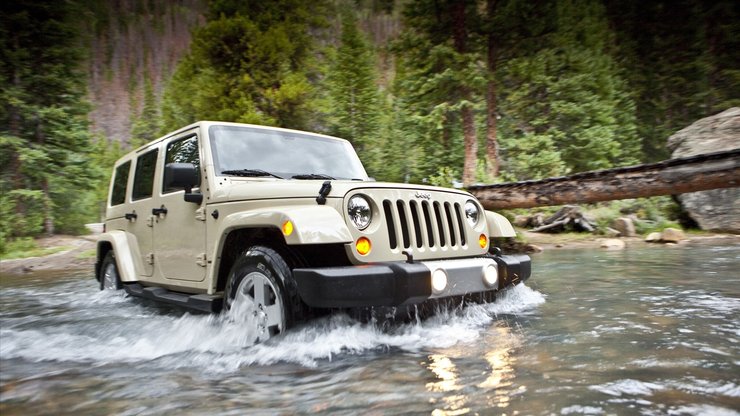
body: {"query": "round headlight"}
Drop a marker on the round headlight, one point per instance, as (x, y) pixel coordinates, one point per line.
(472, 213)
(359, 211)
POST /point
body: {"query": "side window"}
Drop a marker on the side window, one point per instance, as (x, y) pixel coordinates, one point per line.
(144, 178)
(120, 180)
(182, 151)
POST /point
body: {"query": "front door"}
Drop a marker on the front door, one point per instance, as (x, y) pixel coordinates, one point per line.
(180, 233)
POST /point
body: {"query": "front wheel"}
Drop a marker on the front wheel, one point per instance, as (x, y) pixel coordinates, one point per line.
(262, 293)
(109, 277)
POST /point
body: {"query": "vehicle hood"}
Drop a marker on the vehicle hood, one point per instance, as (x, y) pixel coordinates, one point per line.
(240, 189)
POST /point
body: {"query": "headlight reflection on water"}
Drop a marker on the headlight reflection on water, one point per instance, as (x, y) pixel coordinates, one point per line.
(498, 384)
(501, 362)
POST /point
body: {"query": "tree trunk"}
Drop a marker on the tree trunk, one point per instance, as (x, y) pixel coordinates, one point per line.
(459, 34)
(491, 103)
(14, 128)
(671, 177)
(471, 145)
(48, 208)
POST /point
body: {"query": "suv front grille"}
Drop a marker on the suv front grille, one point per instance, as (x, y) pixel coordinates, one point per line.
(424, 224)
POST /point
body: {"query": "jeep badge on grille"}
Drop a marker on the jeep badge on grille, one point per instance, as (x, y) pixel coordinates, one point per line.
(423, 195)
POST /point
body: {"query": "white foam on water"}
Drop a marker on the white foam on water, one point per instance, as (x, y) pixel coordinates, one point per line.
(106, 327)
(702, 409)
(628, 387)
(690, 385)
(581, 410)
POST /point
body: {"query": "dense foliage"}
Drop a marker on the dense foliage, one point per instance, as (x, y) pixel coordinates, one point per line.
(46, 178)
(435, 91)
(252, 62)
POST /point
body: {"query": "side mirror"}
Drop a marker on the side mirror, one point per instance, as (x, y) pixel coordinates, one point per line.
(184, 176)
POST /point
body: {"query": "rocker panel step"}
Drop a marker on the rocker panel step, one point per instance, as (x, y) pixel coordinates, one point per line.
(199, 302)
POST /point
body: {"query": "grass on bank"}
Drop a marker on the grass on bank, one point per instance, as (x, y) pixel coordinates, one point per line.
(21, 248)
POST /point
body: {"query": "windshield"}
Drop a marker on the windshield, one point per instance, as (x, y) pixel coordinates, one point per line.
(282, 153)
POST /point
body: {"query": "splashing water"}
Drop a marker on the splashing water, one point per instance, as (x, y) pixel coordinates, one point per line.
(649, 331)
(110, 327)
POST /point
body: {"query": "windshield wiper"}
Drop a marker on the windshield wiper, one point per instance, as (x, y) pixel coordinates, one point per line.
(311, 176)
(254, 173)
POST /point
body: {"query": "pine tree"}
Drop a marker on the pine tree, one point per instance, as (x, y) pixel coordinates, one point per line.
(43, 127)
(440, 80)
(147, 126)
(250, 63)
(354, 113)
(683, 60)
(568, 92)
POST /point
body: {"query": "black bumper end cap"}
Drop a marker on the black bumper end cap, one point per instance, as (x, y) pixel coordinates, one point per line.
(384, 284)
(514, 268)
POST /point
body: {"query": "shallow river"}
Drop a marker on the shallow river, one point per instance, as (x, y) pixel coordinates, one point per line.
(646, 332)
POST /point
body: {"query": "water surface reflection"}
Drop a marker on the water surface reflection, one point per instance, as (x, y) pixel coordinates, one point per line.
(652, 331)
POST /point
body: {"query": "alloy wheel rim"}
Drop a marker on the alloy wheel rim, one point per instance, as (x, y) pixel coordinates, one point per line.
(257, 300)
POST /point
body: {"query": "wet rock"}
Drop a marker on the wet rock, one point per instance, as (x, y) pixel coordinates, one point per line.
(612, 243)
(719, 209)
(537, 220)
(624, 226)
(653, 237)
(611, 232)
(672, 235)
(522, 220)
(532, 248)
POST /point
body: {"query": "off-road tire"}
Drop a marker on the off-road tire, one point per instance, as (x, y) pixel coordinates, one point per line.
(271, 265)
(110, 278)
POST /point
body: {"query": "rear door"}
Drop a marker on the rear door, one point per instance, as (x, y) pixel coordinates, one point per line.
(141, 220)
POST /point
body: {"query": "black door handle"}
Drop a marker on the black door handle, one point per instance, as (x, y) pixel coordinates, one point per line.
(130, 215)
(159, 211)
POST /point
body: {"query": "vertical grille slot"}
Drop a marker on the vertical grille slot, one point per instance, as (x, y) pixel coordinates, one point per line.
(389, 220)
(404, 223)
(428, 222)
(460, 223)
(448, 214)
(440, 224)
(425, 224)
(417, 224)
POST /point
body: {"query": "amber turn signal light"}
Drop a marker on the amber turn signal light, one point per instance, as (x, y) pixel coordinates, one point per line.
(363, 245)
(288, 228)
(483, 241)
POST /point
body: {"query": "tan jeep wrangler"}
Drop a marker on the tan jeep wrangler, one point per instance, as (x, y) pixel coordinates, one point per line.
(283, 223)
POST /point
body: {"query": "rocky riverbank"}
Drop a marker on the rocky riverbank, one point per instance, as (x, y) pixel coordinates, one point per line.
(78, 252)
(74, 252)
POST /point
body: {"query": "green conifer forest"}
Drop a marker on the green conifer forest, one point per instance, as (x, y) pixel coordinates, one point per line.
(428, 91)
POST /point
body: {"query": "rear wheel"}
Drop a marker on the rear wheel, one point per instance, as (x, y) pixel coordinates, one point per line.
(109, 277)
(261, 293)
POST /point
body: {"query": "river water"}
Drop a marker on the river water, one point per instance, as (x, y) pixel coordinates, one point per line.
(649, 331)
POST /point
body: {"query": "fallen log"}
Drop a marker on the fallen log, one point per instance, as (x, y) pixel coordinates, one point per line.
(671, 177)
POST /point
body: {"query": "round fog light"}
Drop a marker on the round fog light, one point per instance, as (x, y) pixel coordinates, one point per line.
(490, 275)
(439, 280)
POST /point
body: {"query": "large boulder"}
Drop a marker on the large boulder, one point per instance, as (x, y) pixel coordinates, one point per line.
(719, 209)
(625, 226)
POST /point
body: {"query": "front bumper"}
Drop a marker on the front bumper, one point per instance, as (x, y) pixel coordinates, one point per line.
(402, 283)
